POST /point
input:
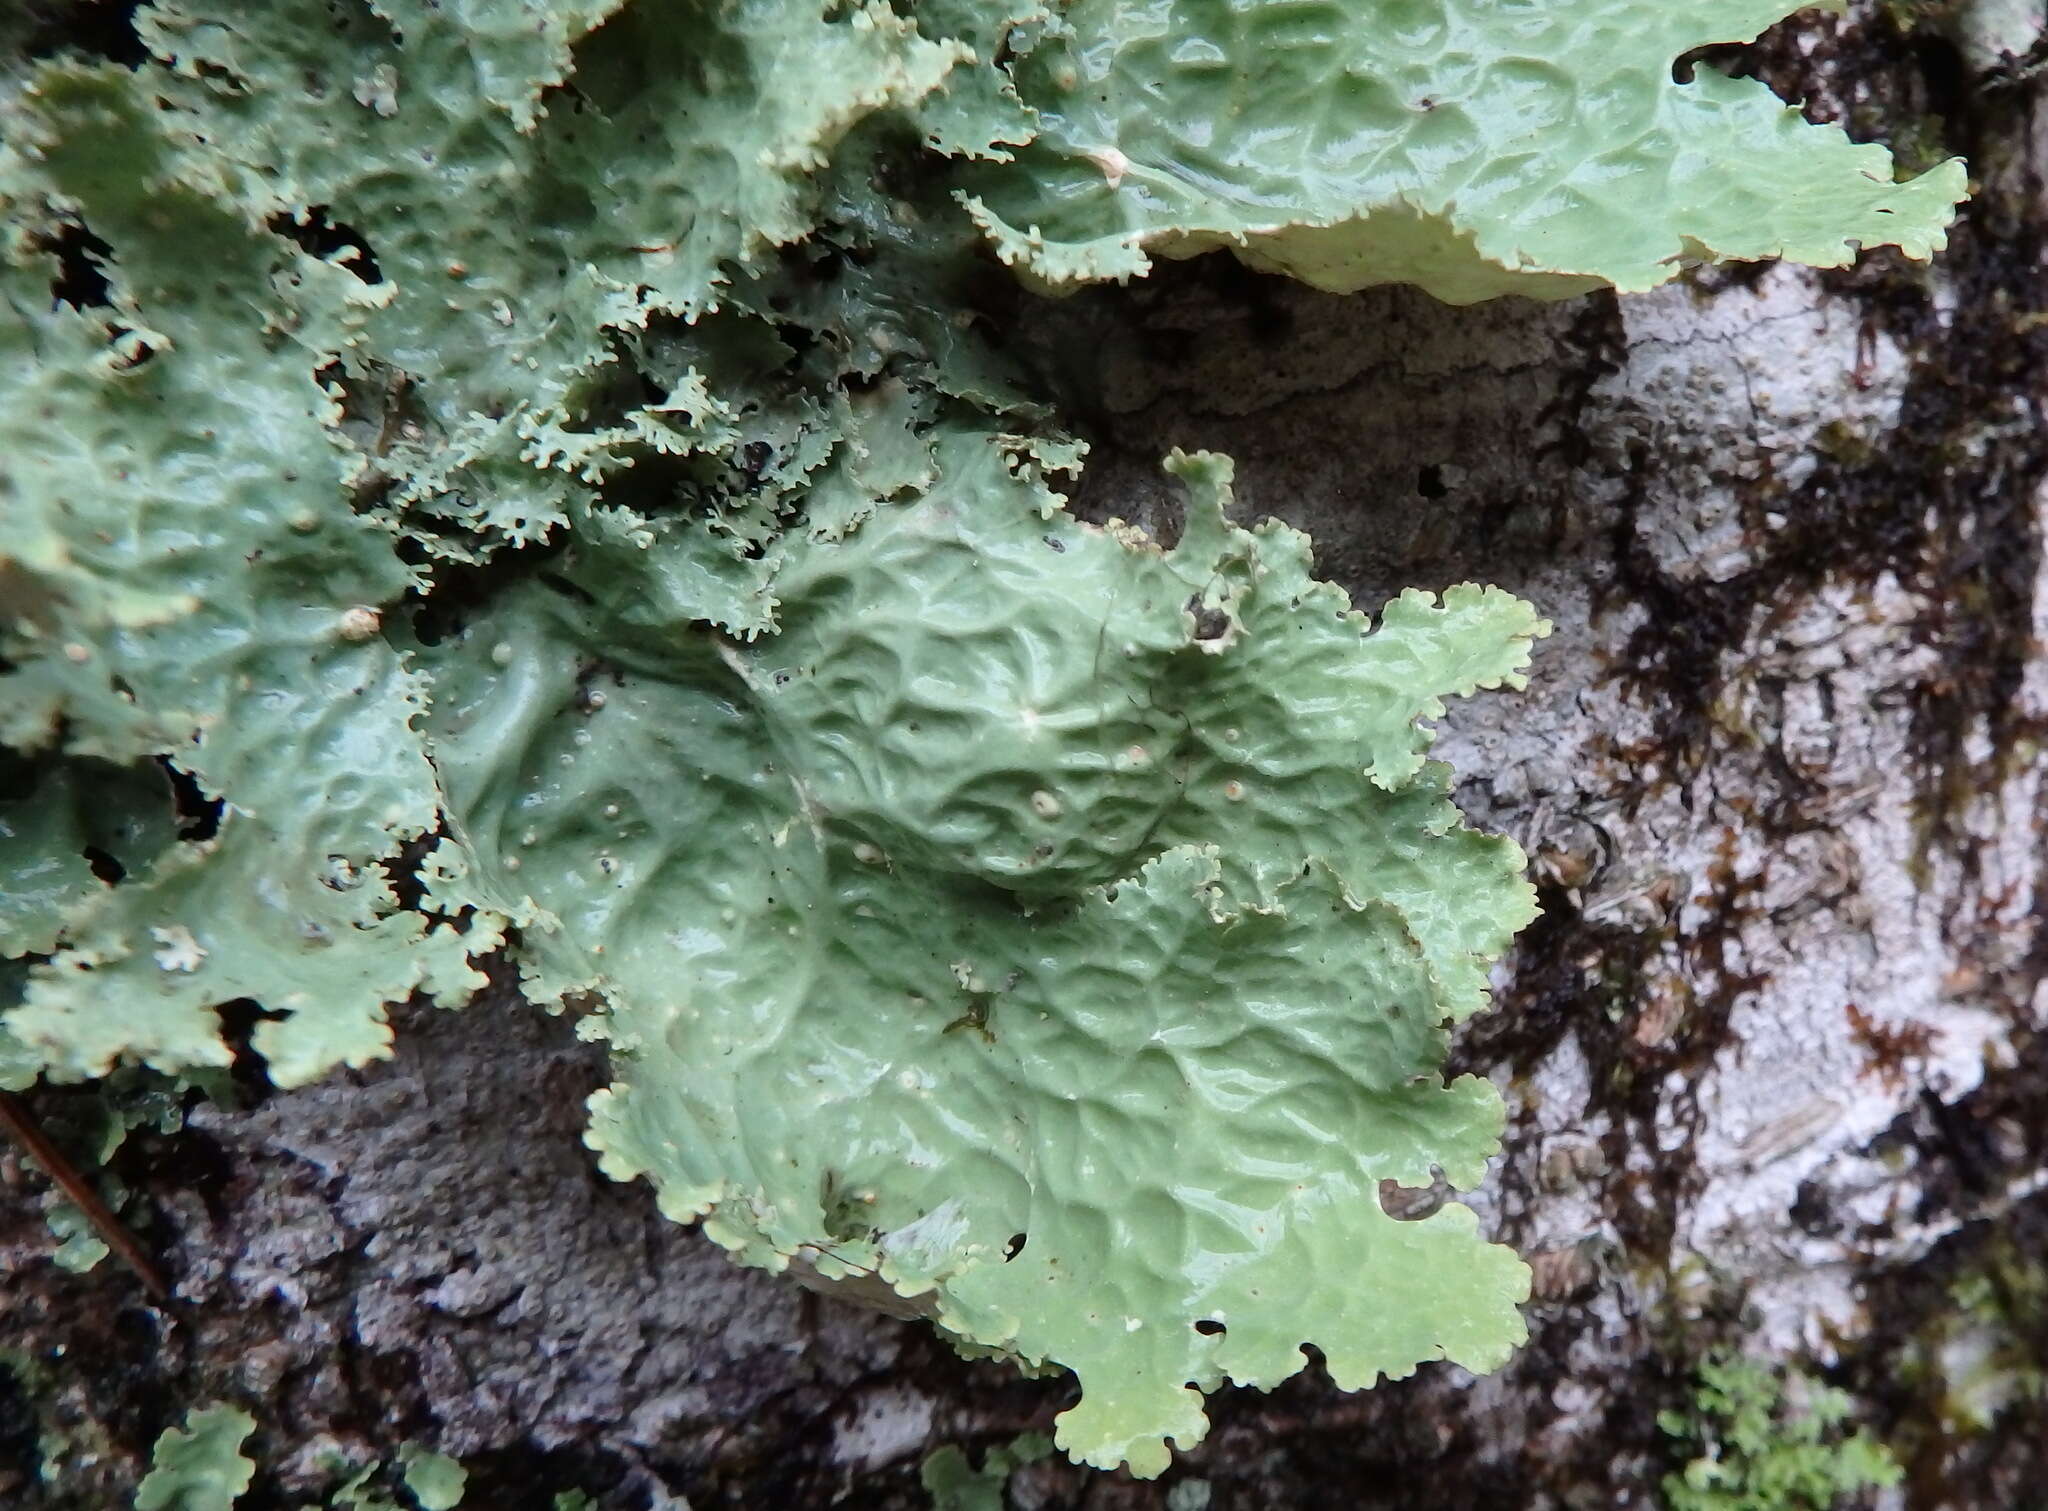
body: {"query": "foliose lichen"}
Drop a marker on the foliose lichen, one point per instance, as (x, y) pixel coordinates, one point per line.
(201, 1466)
(539, 478)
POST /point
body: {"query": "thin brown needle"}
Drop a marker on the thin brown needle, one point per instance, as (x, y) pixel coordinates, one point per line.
(22, 1126)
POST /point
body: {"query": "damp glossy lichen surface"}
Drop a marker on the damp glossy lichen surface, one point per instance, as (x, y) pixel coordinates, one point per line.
(544, 482)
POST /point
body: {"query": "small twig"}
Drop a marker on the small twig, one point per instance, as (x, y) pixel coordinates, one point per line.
(22, 1126)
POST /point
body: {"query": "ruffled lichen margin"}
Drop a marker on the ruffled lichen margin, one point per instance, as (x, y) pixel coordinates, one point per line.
(537, 480)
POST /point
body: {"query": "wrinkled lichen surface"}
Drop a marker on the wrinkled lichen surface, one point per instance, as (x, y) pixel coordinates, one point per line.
(548, 480)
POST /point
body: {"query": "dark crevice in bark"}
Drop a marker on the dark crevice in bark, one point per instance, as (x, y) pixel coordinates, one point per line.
(21, 1456)
(95, 28)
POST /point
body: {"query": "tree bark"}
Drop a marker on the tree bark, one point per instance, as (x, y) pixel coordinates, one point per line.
(1771, 1053)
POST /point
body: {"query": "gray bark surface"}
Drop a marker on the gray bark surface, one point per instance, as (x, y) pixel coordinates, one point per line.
(1772, 1053)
